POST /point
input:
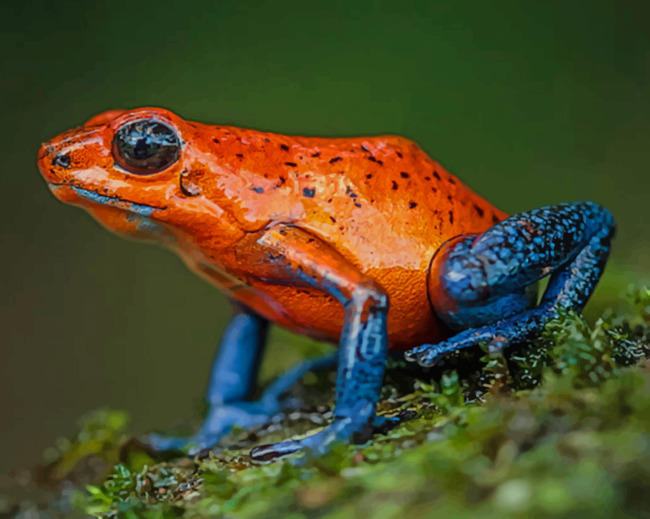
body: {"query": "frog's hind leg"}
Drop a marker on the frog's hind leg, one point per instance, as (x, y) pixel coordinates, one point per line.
(232, 380)
(479, 282)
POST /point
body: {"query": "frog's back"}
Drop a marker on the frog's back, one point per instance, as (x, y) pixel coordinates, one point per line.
(379, 201)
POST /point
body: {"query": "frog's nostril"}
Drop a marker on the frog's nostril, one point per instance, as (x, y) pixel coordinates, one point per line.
(44, 150)
(62, 159)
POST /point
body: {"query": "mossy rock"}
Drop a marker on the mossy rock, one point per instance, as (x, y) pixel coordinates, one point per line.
(558, 428)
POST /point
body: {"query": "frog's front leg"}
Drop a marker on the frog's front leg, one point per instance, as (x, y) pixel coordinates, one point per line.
(288, 255)
(480, 283)
(232, 380)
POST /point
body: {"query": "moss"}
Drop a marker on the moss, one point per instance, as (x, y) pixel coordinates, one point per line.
(558, 428)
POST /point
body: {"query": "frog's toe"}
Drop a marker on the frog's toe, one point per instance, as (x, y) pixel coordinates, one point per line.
(425, 355)
(272, 451)
(345, 430)
(428, 355)
(315, 445)
(385, 424)
(342, 429)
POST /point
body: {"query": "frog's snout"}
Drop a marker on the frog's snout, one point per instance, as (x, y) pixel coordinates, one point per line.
(49, 160)
(57, 157)
(53, 165)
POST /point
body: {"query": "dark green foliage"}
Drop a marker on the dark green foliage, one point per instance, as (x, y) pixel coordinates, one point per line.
(560, 428)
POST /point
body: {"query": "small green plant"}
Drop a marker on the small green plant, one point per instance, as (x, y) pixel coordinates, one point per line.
(101, 432)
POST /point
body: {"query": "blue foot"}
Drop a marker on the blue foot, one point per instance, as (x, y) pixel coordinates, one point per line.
(341, 429)
(217, 424)
(221, 418)
(497, 336)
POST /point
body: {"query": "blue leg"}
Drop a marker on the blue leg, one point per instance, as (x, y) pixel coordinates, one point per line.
(292, 256)
(361, 362)
(233, 377)
(235, 367)
(481, 282)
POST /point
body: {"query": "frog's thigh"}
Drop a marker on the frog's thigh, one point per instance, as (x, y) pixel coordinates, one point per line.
(287, 255)
(478, 282)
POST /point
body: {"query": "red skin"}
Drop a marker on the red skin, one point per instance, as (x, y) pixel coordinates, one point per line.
(379, 202)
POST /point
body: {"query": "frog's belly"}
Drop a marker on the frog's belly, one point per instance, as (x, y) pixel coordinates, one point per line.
(318, 315)
(314, 313)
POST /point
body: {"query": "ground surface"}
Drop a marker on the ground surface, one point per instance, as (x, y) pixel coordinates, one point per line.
(559, 428)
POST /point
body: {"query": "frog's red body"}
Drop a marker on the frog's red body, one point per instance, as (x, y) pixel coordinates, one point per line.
(381, 202)
(362, 240)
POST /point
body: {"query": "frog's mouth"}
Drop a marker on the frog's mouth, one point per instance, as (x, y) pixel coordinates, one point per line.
(135, 219)
(112, 201)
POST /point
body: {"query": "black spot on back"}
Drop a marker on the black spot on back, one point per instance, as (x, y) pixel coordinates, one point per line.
(349, 192)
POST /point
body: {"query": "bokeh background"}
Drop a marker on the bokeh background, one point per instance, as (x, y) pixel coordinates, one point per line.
(530, 103)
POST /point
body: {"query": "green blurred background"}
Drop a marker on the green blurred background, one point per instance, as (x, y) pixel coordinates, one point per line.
(530, 103)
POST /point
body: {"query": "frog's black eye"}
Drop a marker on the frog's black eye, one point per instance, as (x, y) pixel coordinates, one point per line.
(146, 146)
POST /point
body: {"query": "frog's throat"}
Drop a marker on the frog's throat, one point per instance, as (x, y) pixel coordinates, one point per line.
(113, 201)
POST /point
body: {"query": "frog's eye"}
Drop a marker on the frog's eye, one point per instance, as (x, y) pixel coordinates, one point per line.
(146, 146)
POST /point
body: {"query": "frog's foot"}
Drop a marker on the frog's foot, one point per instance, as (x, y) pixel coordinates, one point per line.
(341, 429)
(496, 336)
(218, 423)
(221, 418)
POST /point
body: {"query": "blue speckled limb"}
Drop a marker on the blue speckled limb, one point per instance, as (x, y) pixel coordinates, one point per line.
(480, 282)
(233, 377)
(297, 257)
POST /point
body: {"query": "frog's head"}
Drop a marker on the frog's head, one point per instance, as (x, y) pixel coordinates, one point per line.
(126, 168)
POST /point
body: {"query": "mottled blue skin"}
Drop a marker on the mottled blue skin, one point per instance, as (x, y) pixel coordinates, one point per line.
(486, 282)
(571, 242)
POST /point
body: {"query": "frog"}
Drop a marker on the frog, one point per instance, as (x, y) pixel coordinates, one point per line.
(365, 242)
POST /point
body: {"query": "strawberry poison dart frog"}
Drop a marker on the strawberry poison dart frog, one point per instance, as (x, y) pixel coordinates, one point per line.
(363, 241)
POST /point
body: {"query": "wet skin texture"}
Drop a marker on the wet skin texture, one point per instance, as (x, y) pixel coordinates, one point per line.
(365, 241)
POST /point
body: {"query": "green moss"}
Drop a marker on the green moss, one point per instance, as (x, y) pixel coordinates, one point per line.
(558, 428)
